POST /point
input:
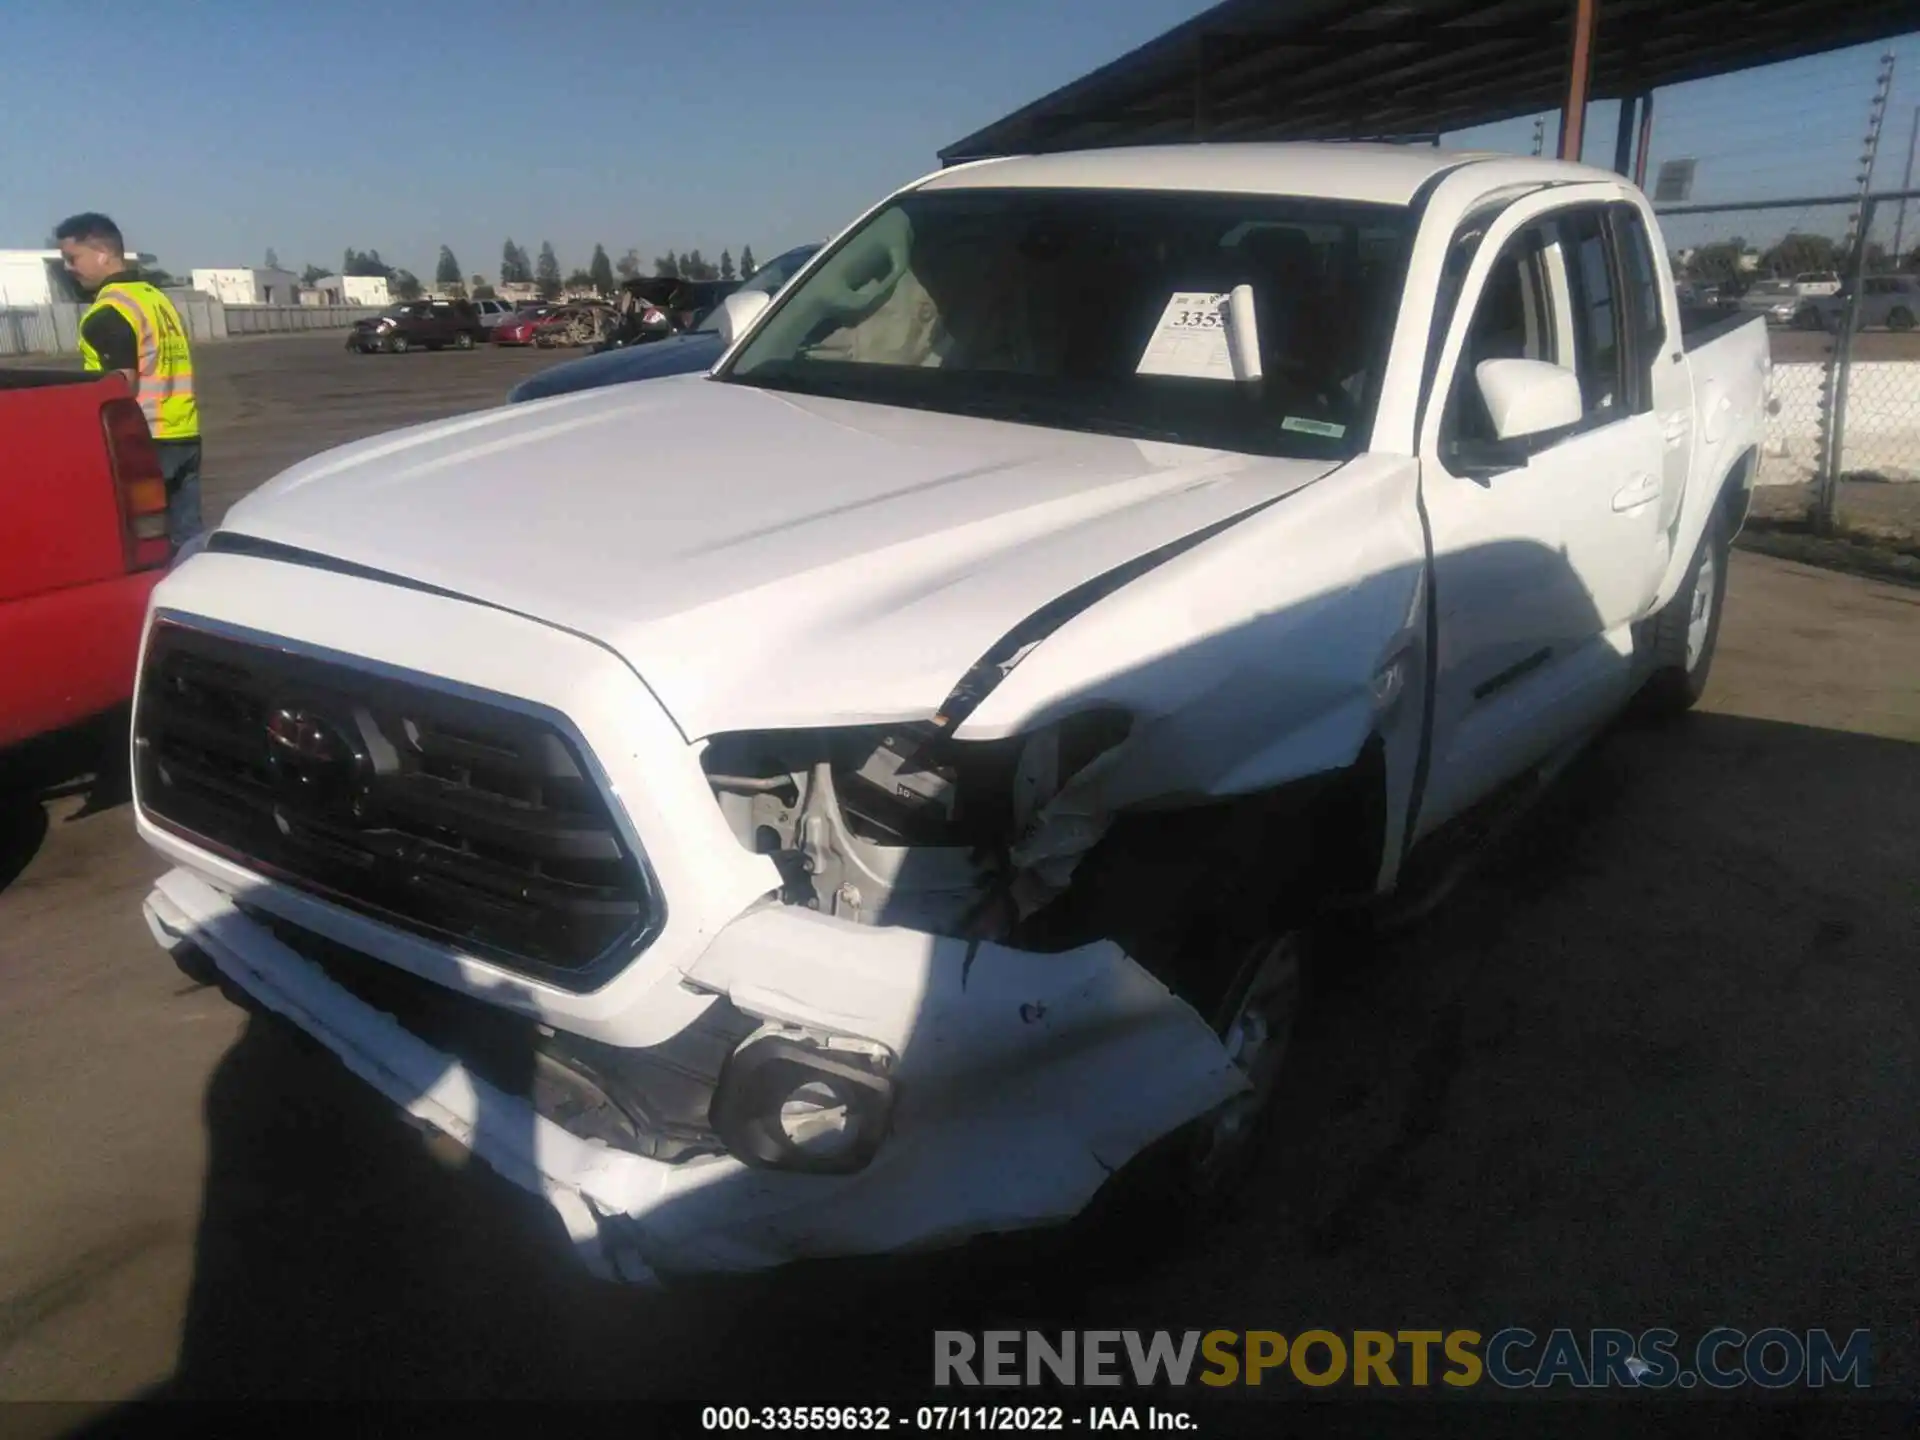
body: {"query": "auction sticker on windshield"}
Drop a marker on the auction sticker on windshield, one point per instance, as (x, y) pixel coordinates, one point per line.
(1306, 426)
(1191, 339)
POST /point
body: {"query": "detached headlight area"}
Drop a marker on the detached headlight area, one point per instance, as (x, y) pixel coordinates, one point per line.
(902, 825)
(899, 827)
(790, 1101)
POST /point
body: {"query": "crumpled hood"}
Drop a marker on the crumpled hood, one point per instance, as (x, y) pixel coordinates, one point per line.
(761, 560)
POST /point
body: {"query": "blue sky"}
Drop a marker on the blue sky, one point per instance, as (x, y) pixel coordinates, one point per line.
(403, 126)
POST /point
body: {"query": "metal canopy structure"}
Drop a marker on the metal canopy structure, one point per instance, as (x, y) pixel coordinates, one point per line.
(1401, 69)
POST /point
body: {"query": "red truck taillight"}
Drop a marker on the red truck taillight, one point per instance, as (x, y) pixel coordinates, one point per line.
(141, 486)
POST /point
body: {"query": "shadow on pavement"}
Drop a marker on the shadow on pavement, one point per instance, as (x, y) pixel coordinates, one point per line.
(341, 1254)
(23, 826)
(89, 760)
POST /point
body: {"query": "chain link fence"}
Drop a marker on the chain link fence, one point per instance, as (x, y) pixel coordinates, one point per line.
(1838, 280)
(1879, 359)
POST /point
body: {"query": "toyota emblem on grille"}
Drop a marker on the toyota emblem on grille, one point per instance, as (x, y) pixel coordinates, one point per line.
(300, 735)
(313, 760)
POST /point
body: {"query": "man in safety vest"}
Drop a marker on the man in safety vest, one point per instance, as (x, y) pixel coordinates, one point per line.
(133, 328)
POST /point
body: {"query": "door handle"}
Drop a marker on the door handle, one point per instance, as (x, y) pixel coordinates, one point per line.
(1676, 428)
(1644, 490)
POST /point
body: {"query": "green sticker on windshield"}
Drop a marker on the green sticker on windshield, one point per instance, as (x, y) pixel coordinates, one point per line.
(1313, 427)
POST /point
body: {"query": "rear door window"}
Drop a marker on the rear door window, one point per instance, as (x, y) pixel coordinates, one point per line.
(1598, 326)
(1642, 280)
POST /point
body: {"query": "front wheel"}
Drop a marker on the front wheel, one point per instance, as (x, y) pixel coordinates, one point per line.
(1198, 1176)
(398, 345)
(1684, 636)
(1255, 1022)
(1900, 319)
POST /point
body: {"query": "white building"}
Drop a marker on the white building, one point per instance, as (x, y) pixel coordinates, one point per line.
(252, 286)
(30, 278)
(353, 290)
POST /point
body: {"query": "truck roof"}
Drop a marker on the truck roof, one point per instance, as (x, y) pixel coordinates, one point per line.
(1380, 174)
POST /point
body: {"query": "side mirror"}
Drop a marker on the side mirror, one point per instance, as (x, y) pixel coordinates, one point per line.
(738, 311)
(1529, 397)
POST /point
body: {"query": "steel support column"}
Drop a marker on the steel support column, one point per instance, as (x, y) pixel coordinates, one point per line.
(1623, 136)
(1834, 447)
(1900, 225)
(1646, 140)
(1573, 114)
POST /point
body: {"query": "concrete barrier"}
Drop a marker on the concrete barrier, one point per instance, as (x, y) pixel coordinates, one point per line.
(55, 329)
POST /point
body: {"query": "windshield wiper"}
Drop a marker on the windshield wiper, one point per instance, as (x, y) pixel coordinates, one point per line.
(1057, 417)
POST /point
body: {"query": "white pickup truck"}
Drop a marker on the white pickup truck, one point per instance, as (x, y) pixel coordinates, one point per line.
(864, 796)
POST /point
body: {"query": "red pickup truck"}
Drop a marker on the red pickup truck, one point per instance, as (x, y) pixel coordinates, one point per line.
(83, 540)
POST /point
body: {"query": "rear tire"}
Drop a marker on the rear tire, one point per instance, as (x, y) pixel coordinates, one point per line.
(1900, 319)
(1683, 636)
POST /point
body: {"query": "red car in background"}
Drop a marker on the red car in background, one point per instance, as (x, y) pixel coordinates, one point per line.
(84, 543)
(518, 328)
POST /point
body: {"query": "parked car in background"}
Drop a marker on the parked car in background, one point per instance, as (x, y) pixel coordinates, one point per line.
(1781, 303)
(1706, 294)
(1704, 303)
(493, 312)
(83, 543)
(1887, 302)
(903, 778)
(680, 354)
(663, 305)
(1816, 283)
(518, 327)
(419, 325)
(577, 322)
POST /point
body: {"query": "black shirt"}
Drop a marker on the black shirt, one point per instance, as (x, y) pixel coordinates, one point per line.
(108, 332)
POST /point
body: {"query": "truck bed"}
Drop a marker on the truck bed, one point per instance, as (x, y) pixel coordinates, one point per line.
(1700, 326)
(71, 602)
(40, 377)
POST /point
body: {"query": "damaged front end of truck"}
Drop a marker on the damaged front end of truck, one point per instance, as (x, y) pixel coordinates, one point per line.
(977, 994)
(865, 987)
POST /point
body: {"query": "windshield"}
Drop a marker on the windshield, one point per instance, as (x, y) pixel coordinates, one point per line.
(1102, 311)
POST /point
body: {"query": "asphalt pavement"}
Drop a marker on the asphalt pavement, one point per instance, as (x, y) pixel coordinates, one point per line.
(1658, 1064)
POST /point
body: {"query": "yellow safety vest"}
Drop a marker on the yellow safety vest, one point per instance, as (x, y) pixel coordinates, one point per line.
(166, 363)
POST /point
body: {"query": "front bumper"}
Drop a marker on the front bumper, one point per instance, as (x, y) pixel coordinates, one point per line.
(1023, 1080)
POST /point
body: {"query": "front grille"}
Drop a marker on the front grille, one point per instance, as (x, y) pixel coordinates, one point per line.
(459, 817)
